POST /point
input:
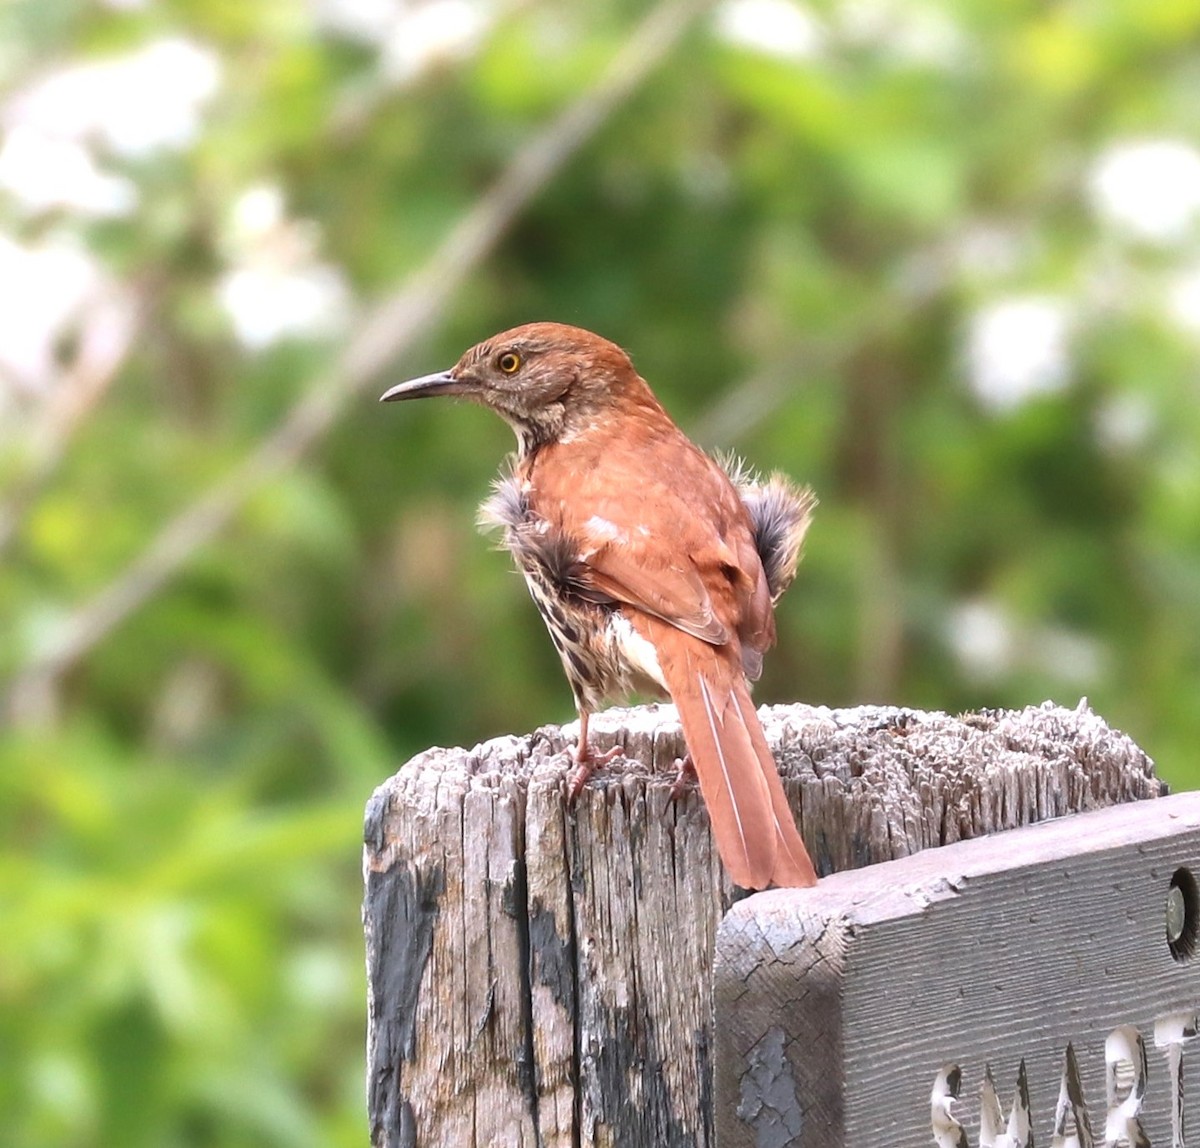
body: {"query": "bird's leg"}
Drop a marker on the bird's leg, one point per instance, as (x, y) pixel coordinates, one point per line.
(585, 760)
(687, 772)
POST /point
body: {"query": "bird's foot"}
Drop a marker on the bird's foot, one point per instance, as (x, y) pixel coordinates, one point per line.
(687, 773)
(586, 763)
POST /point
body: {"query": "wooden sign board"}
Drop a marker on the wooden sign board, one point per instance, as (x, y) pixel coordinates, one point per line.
(1035, 987)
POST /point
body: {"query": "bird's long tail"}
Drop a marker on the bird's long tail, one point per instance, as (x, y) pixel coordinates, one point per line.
(752, 824)
(793, 866)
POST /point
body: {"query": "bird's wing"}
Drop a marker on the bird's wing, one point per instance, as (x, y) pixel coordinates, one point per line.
(595, 560)
(675, 594)
(670, 538)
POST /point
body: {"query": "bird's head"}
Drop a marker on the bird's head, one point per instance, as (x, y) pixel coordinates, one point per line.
(547, 380)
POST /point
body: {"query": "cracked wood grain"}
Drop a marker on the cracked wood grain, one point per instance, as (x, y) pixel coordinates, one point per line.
(540, 974)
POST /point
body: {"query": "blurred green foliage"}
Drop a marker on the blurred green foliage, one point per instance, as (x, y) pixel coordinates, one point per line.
(796, 240)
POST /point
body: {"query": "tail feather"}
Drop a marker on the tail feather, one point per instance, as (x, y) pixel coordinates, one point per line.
(752, 824)
(731, 782)
(793, 866)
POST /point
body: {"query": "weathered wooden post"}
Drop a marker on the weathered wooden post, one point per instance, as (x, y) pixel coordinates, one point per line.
(541, 975)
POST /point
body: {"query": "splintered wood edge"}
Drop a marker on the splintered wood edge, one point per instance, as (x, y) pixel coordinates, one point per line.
(867, 784)
(879, 746)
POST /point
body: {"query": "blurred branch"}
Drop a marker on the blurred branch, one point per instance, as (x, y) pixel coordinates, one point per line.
(743, 408)
(105, 341)
(356, 106)
(386, 331)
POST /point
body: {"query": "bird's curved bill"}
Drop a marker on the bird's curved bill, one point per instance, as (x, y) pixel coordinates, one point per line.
(439, 383)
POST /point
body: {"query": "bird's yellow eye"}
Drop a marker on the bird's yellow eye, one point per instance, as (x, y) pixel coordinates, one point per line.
(509, 362)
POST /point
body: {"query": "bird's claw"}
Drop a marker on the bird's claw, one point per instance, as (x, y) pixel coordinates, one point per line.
(687, 772)
(586, 763)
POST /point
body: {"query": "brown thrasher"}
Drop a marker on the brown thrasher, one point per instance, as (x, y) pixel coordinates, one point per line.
(653, 568)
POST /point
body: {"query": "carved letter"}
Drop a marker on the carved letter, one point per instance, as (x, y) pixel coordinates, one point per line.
(947, 1131)
(1172, 1032)
(1125, 1085)
(1072, 1128)
(1019, 1131)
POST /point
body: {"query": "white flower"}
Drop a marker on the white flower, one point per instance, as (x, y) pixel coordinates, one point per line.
(1124, 422)
(1183, 300)
(43, 172)
(990, 644)
(438, 32)
(133, 105)
(773, 27)
(368, 21)
(1018, 348)
(267, 304)
(277, 288)
(905, 31)
(136, 104)
(1149, 188)
(983, 638)
(43, 291)
(1074, 658)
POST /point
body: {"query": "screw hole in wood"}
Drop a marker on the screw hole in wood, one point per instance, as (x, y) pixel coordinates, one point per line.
(1183, 914)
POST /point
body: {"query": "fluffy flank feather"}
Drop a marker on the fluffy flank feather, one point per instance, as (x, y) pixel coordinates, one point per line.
(739, 471)
(530, 539)
(507, 507)
(780, 513)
